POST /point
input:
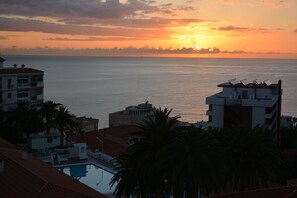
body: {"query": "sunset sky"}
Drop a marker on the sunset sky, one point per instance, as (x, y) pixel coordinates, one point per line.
(199, 28)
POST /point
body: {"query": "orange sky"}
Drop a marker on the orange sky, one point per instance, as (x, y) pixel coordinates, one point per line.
(207, 28)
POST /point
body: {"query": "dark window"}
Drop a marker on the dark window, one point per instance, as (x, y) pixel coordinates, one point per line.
(209, 118)
(9, 83)
(245, 94)
(8, 95)
(210, 107)
(22, 94)
(237, 116)
(50, 139)
(23, 80)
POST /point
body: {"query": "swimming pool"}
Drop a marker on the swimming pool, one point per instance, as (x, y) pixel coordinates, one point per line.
(91, 174)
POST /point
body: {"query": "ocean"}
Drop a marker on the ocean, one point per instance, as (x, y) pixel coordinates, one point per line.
(97, 86)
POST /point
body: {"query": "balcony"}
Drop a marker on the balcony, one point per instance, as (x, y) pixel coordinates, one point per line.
(36, 97)
(36, 84)
(220, 99)
(24, 85)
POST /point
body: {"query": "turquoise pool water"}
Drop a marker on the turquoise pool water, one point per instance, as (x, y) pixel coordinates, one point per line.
(92, 175)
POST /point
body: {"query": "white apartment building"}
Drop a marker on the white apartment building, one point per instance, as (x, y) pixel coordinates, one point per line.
(242, 102)
(131, 115)
(20, 83)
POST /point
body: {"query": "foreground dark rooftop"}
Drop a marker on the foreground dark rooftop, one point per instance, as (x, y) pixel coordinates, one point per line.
(32, 178)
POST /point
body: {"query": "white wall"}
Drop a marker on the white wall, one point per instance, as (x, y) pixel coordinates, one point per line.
(258, 116)
(264, 93)
(217, 116)
(7, 90)
(42, 143)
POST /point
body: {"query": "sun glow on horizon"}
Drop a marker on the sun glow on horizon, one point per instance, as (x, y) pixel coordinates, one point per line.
(208, 28)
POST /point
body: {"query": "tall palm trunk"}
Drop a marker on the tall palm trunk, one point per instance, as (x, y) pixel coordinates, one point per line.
(61, 137)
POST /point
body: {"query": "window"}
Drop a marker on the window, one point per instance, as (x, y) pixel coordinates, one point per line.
(22, 94)
(9, 83)
(49, 139)
(23, 80)
(210, 108)
(244, 94)
(36, 79)
(8, 95)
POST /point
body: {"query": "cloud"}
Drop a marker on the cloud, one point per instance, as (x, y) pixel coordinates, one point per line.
(274, 3)
(232, 28)
(3, 37)
(242, 29)
(21, 25)
(75, 8)
(125, 51)
(227, 1)
(130, 19)
(139, 28)
(107, 38)
(87, 11)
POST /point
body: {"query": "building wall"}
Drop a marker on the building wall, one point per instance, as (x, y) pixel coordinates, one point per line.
(117, 119)
(252, 104)
(10, 91)
(218, 116)
(43, 142)
(258, 116)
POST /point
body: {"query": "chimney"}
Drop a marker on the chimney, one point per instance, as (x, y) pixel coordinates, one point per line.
(24, 155)
(1, 62)
(15, 65)
(23, 65)
(1, 166)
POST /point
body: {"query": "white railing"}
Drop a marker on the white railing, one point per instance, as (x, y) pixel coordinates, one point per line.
(100, 156)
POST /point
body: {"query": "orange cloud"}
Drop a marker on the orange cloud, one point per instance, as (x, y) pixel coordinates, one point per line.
(3, 38)
(244, 29)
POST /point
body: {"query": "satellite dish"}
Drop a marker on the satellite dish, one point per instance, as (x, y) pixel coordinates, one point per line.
(233, 81)
(244, 82)
(257, 82)
(267, 82)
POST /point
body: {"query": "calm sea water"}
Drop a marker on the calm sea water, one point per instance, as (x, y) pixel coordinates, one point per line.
(96, 86)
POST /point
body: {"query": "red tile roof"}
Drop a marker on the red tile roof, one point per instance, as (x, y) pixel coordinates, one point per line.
(11, 70)
(281, 192)
(32, 178)
(113, 139)
(121, 131)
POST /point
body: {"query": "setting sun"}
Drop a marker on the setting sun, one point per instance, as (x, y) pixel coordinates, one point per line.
(226, 26)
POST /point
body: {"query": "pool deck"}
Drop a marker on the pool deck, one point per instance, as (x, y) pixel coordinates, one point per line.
(89, 160)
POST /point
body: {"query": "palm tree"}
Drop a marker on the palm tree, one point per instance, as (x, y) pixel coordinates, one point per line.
(64, 121)
(48, 111)
(255, 157)
(194, 164)
(24, 119)
(137, 170)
